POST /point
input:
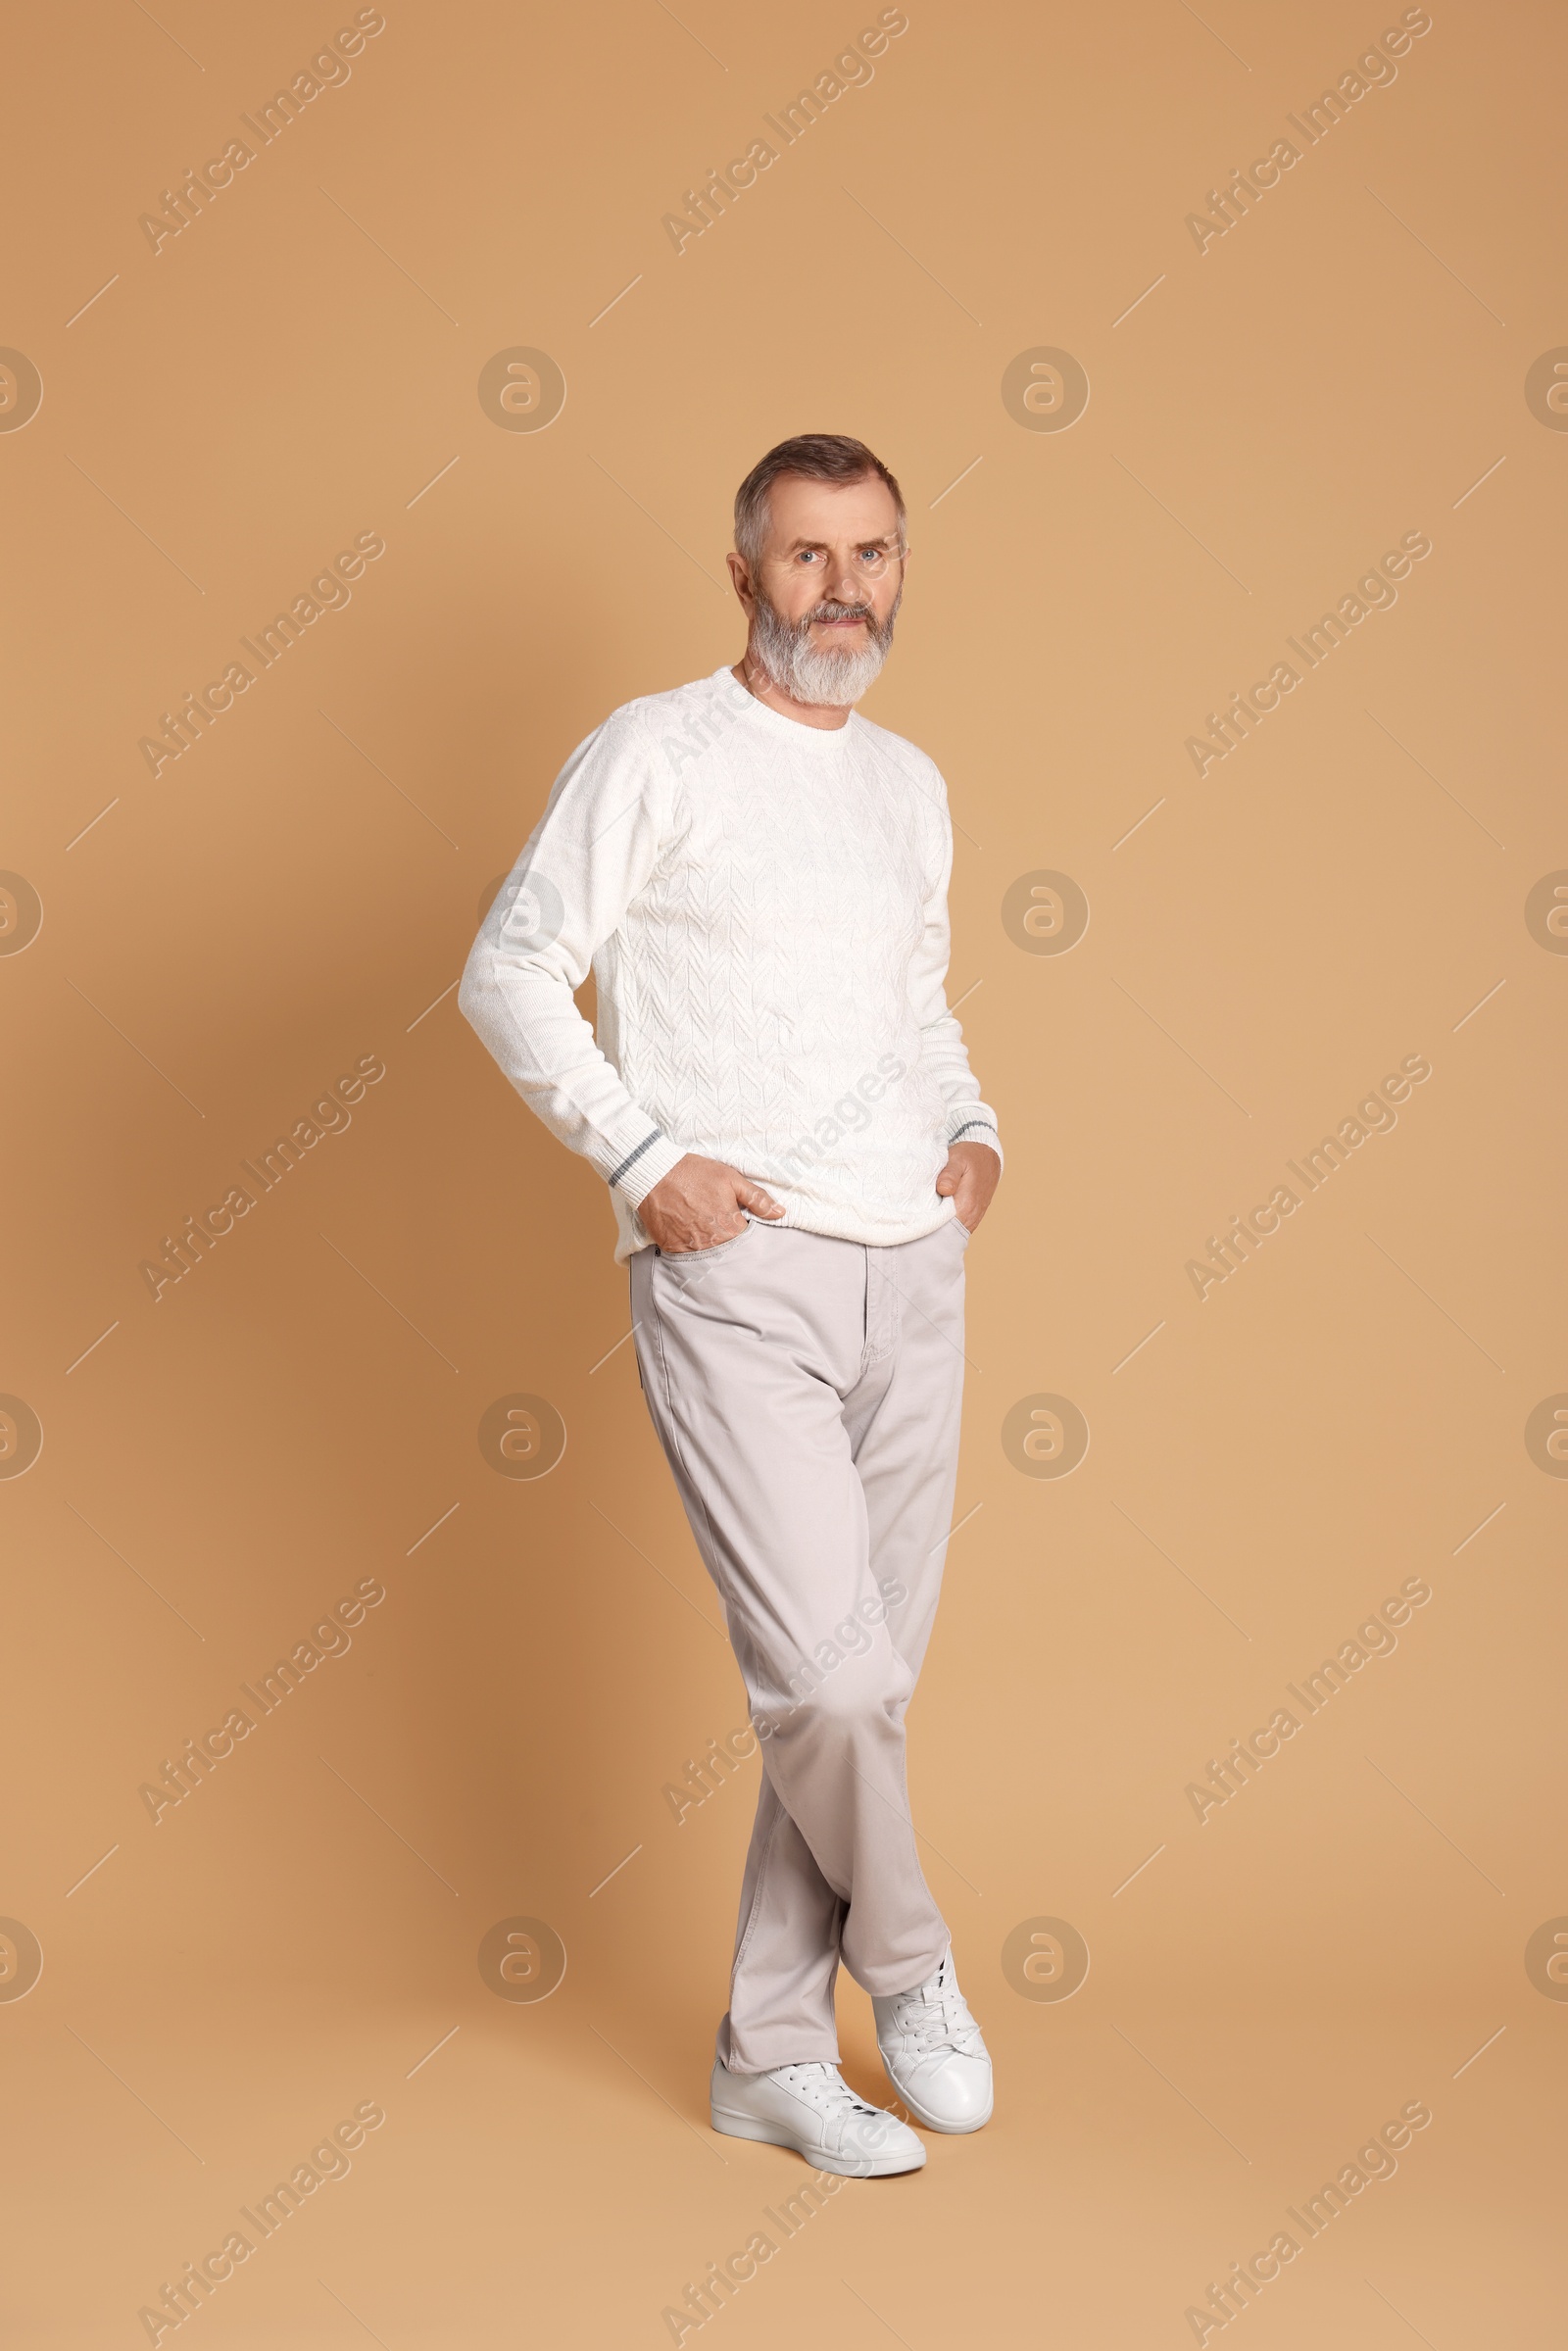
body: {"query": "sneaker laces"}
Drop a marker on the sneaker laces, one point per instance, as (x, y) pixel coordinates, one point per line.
(823, 2086)
(936, 2016)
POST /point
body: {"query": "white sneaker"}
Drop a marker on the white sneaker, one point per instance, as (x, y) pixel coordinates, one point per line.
(813, 2109)
(935, 2057)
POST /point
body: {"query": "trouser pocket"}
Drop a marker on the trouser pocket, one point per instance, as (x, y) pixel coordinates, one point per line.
(704, 1256)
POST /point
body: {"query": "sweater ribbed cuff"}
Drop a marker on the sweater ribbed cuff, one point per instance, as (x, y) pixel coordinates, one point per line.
(978, 1130)
(644, 1166)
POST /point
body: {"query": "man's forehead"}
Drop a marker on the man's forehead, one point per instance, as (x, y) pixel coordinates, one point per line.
(861, 538)
(809, 513)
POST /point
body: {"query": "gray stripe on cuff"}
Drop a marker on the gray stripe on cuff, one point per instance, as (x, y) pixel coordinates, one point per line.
(632, 1156)
(984, 1124)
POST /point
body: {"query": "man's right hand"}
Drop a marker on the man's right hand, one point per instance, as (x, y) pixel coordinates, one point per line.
(699, 1204)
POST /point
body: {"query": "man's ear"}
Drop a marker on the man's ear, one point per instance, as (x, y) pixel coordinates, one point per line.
(741, 579)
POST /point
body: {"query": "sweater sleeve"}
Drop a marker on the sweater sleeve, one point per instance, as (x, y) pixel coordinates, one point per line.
(592, 851)
(942, 1046)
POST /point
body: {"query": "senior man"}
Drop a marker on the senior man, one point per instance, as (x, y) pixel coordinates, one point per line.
(781, 1106)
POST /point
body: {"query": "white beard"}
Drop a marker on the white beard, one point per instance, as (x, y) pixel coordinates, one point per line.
(797, 666)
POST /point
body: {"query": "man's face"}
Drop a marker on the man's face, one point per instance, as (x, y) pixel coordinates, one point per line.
(827, 587)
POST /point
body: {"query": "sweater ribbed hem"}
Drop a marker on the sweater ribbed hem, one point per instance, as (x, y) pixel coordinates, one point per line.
(815, 1216)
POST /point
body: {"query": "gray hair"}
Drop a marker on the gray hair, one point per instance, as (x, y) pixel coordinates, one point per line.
(819, 457)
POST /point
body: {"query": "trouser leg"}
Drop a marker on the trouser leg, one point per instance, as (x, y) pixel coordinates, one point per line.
(902, 1422)
(807, 1394)
(787, 1940)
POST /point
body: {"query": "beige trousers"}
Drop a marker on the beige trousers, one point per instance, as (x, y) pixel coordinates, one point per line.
(806, 1392)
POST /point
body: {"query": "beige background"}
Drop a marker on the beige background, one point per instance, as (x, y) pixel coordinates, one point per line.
(300, 364)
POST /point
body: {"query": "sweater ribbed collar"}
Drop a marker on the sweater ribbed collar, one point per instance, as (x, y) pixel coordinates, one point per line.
(811, 742)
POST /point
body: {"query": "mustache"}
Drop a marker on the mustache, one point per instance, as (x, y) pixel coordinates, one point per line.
(880, 632)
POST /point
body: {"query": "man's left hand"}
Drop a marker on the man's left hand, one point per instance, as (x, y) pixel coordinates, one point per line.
(970, 1176)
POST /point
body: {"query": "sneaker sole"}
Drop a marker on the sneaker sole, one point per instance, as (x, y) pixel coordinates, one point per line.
(848, 2166)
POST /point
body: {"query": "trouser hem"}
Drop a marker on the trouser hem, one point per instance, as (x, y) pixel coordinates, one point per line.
(915, 1982)
(871, 1978)
(791, 2055)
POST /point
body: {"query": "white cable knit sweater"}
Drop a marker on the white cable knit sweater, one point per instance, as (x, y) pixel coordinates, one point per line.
(763, 905)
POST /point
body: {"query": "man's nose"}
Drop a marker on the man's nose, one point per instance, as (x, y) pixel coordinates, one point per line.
(845, 585)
